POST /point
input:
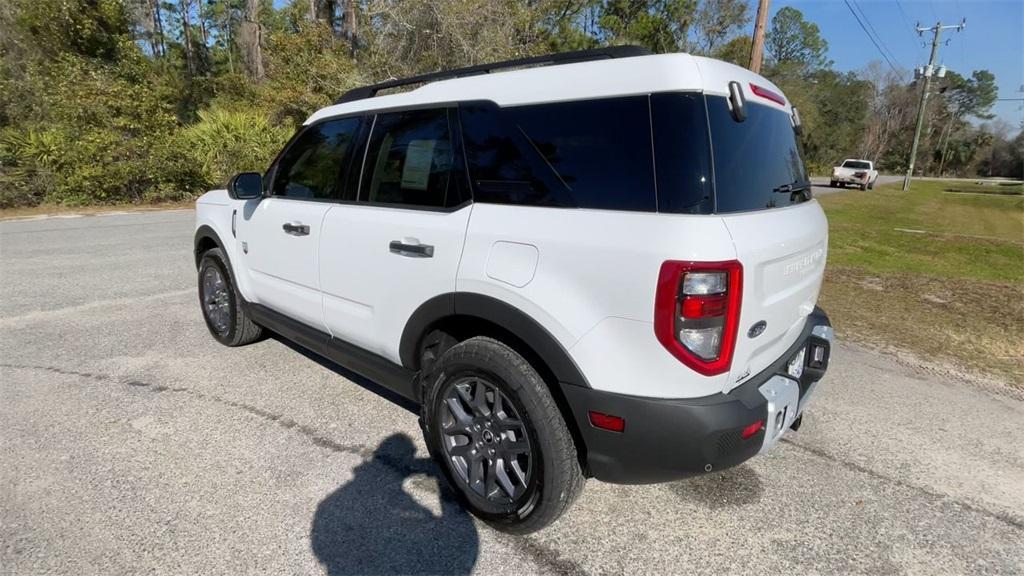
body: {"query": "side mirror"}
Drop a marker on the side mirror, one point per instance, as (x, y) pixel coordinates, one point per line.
(246, 186)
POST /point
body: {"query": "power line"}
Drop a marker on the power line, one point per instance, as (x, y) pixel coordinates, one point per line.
(868, 34)
(903, 14)
(906, 20)
(877, 35)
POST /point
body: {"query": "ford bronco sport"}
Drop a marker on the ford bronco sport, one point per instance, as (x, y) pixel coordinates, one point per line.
(603, 265)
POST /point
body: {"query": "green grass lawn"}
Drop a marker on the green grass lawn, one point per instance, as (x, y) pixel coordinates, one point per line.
(957, 235)
(938, 271)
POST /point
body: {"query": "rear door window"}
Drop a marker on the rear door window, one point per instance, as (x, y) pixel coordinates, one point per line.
(583, 154)
(409, 159)
(757, 162)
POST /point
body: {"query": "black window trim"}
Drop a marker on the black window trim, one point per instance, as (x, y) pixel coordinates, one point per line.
(455, 129)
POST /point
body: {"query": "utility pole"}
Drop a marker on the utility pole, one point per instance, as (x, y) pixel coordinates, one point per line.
(927, 74)
(757, 46)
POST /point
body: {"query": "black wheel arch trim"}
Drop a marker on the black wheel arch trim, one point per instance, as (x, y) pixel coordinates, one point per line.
(205, 232)
(490, 309)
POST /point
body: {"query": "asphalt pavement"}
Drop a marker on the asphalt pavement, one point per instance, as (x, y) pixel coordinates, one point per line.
(130, 442)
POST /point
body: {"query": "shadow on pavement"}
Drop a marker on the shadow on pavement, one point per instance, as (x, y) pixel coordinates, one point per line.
(371, 525)
(728, 488)
(356, 379)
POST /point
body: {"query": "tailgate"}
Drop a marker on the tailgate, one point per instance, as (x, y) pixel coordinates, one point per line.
(783, 254)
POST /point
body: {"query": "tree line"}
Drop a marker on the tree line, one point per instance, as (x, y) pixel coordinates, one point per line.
(105, 101)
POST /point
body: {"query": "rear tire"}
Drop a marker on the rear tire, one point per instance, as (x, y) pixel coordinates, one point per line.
(495, 431)
(832, 184)
(871, 185)
(863, 187)
(221, 304)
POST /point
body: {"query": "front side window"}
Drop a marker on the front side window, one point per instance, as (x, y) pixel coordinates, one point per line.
(312, 167)
(409, 159)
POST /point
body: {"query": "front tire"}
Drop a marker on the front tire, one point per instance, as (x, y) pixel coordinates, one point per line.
(495, 431)
(221, 303)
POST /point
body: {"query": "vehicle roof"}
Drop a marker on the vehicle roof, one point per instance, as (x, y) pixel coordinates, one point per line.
(576, 81)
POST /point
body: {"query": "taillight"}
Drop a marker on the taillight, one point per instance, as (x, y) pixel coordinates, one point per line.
(696, 312)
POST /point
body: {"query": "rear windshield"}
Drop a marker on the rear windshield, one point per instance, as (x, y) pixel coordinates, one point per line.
(757, 162)
(856, 164)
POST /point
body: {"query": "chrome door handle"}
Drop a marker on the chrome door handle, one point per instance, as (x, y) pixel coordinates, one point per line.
(295, 228)
(411, 250)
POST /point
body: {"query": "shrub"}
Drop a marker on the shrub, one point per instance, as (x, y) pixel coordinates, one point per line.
(27, 160)
(225, 142)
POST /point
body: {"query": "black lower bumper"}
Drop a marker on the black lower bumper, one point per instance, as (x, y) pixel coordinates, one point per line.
(669, 439)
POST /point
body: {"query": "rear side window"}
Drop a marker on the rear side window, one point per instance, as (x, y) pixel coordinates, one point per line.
(757, 162)
(584, 154)
(682, 153)
(312, 166)
(409, 159)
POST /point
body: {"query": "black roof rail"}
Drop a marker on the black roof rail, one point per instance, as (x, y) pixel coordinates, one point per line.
(559, 58)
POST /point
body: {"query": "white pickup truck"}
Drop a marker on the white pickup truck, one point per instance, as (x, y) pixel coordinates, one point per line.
(857, 172)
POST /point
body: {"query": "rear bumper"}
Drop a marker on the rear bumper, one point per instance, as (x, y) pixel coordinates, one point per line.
(669, 439)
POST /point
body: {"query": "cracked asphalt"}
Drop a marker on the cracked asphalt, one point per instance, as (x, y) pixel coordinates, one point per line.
(131, 442)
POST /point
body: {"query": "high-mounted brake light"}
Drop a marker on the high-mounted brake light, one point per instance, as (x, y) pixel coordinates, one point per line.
(767, 94)
(696, 312)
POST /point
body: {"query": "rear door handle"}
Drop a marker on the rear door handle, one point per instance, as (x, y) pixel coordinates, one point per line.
(411, 250)
(295, 228)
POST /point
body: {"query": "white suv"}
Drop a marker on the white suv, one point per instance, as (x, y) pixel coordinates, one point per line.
(606, 267)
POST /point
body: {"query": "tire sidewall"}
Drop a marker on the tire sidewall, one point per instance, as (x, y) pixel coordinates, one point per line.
(215, 258)
(454, 365)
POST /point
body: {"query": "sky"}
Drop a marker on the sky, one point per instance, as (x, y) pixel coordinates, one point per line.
(992, 39)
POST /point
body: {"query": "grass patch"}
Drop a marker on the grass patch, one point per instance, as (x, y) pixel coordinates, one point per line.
(939, 274)
(1004, 188)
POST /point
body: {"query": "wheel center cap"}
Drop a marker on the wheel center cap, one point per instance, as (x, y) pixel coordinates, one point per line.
(488, 436)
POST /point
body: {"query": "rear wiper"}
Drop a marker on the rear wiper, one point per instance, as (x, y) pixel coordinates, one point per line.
(792, 187)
